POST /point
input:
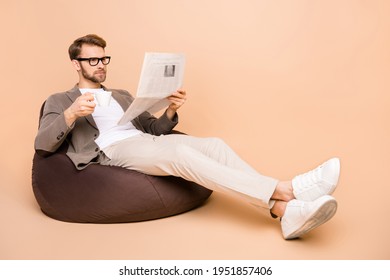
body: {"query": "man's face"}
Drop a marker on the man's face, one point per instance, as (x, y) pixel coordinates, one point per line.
(97, 73)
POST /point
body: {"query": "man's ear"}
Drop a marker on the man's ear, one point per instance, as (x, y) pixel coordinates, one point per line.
(76, 64)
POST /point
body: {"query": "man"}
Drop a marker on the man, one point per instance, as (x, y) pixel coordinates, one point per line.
(143, 145)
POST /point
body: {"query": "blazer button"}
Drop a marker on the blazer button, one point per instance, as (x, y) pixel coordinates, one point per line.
(60, 136)
(97, 150)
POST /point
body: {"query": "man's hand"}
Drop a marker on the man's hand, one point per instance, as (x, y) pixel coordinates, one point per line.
(177, 99)
(83, 106)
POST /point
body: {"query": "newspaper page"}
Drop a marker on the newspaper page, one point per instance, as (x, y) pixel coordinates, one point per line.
(161, 75)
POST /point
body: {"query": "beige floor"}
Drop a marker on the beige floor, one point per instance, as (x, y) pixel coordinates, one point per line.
(221, 229)
(287, 86)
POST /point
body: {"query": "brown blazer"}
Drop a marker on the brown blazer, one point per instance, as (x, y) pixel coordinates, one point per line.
(82, 148)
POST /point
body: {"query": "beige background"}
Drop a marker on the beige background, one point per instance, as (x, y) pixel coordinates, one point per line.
(287, 84)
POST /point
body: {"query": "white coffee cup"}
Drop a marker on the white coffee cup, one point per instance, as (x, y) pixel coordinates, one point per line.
(103, 98)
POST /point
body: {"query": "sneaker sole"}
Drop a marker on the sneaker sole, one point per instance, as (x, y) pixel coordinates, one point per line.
(323, 214)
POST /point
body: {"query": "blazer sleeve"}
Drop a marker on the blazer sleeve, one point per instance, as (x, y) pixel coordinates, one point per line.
(158, 126)
(149, 123)
(52, 129)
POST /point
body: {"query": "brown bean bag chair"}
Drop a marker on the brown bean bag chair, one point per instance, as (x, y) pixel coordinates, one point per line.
(106, 194)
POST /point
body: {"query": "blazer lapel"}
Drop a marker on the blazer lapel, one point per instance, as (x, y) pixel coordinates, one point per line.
(123, 102)
(125, 105)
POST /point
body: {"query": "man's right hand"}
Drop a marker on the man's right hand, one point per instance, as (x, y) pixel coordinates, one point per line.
(83, 106)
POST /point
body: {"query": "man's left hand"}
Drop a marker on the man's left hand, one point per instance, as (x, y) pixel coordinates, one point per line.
(177, 99)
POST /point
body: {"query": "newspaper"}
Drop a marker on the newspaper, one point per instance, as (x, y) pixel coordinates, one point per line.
(161, 75)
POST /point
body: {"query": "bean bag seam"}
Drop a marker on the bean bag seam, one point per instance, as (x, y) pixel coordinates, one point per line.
(154, 187)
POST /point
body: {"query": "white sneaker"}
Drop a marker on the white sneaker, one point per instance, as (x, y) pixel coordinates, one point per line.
(318, 182)
(303, 216)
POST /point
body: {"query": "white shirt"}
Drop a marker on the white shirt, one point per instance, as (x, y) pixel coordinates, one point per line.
(106, 119)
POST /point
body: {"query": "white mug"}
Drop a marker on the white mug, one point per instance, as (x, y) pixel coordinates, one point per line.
(103, 98)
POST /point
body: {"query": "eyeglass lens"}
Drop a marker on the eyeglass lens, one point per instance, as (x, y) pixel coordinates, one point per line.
(93, 61)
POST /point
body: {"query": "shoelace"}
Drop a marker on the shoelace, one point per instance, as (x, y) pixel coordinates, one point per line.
(310, 178)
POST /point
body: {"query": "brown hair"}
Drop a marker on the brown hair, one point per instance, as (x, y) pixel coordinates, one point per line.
(90, 39)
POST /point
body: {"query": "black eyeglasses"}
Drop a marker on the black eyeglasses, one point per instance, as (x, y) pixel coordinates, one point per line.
(93, 61)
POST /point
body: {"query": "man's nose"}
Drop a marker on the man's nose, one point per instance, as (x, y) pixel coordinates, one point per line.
(100, 64)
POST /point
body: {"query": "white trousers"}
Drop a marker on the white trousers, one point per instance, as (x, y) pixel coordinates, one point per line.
(208, 162)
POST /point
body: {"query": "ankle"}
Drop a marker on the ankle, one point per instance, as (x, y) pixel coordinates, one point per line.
(278, 209)
(283, 191)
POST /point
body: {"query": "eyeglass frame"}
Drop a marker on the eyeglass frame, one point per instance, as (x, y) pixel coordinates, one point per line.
(98, 60)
